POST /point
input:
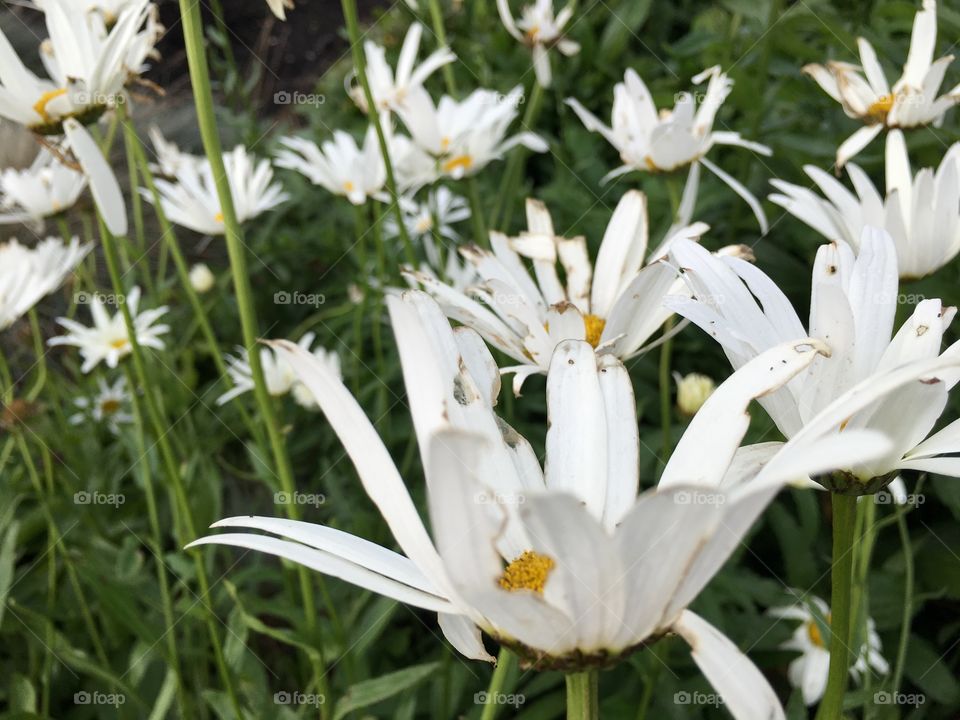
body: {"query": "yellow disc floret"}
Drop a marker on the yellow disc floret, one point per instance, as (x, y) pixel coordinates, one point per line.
(41, 105)
(464, 162)
(881, 108)
(528, 572)
(593, 326)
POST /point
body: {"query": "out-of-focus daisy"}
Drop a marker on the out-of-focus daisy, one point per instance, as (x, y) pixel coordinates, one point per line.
(897, 384)
(390, 90)
(865, 95)
(921, 212)
(432, 219)
(111, 406)
(615, 304)
(693, 390)
(109, 10)
(201, 279)
(191, 198)
(559, 563)
(464, 136)
(35, 193)
(280, 7)
(540, 30)
(808, 673)
(107, 341)
(649, 141)
(279, 376)
(29, 274)
(170, 158)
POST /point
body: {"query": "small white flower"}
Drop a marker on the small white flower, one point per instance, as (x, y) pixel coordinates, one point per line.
(808, 673)
(615, 303)
(280, 7)
(107, 340)
(649, 141)
(27, 275)
(277, 373)
(45, 188)
(864, 93)
(540, 30)
(390, 90)
(920, 212)
(464, 136)
(111, 405)
(693, 390)
(434, 219)
(201, 278)
(190, 199)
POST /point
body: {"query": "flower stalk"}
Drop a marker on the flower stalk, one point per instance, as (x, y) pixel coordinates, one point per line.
(583, 700)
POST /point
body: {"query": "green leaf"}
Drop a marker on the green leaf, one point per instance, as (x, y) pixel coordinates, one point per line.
(370, 692)
(7, 556)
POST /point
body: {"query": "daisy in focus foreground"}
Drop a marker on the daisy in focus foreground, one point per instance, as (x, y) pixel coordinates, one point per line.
(566, 565)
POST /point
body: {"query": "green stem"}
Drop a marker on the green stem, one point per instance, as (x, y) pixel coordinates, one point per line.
(41, 354)
(907, 616)
(480, 235)
(844, 515)
(666, 404)
(359, 61)
(503, 210)
(359, 311)
(583, 700)
(506, 661)
(436, 20)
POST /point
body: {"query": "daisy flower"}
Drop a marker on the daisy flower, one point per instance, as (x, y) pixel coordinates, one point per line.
(431, 219)
(566, 565)
(615, 304)
(865, 95)
(279, 376)
(464, 136)
(390, 89)
(920, 212)
(202, 278)
(111, 406)
(107, 341)
(46, 188)
(29, 274)
(190, 198)
(895, 383)
(808, 673)
(540, 30)
(649, 141)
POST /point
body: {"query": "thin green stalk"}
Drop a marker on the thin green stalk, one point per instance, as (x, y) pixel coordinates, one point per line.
(41, 354)
(360, 63)
(182, 507)
(583, 699)
(436, 20)
(6, 378)
(666, 402)
(135, 199)
(206, 117)
(377, 325)
(506, 661)
(480, 235)
(503, 210)
(359, 310)
(844, 516)
(907, 616)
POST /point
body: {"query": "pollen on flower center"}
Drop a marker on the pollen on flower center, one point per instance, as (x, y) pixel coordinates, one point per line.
(118, 344)
(349, 186)
(218, 217)
(109, 407)
(813, 632)
(41, 105)
(881, 108)
(593, 325)
(528, 572)
(460, 161)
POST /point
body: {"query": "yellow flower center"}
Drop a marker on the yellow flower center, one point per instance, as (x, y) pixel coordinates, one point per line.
(460, 161)
(218, 217)
(118, 344)
(593, 325)
(41, 105)
(528, 572)
(109, 407)
(813, 631)
(349, 186)
(445, 143)
(881, 108)
(651, 165)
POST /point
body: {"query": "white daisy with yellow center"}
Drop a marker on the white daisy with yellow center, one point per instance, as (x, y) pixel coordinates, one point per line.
(46, 188)
(540, 30)
(567, 564)
(111, 406)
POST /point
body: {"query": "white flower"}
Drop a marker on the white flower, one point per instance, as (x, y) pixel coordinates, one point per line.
(540, 30)
(921, 212)
(436, 216)
(567, 564)
(107, 340)
(201, 279)
(111, 405)
(45, 188)
(27, 275)
(190, 198)
(615, 304)
(895, 384)
(170, 158)
(280, 7)
(649, 141)
(390, 90)
(808, 673)
(109, 10)
(693, 390)
(865, 94)
(464, 136)
(277, 373)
